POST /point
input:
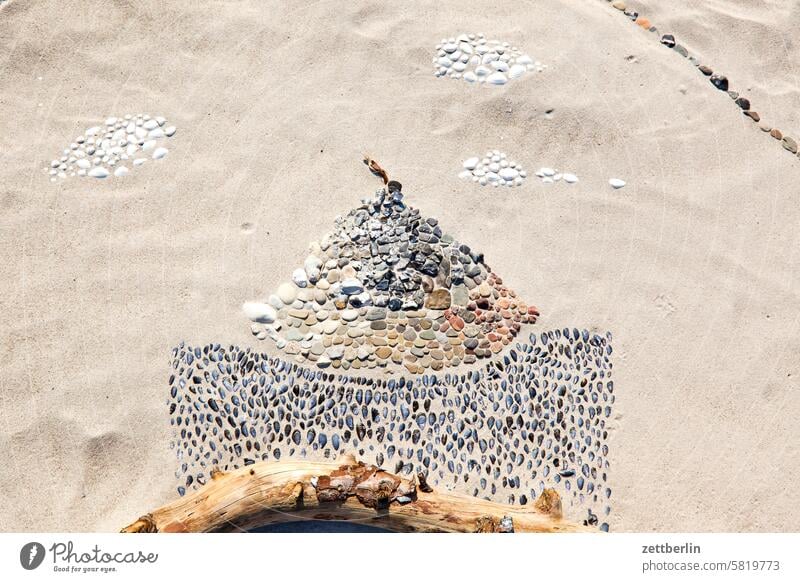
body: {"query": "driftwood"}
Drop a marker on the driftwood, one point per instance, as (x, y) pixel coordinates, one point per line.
(288, 491)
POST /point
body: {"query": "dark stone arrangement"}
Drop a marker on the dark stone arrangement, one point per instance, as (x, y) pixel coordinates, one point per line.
(534, 417)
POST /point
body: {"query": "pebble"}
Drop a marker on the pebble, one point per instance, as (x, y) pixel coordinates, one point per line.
(287, 293)
(720, 82)
(259, 312)
(102, 150)
(497, 78)
(616, 183)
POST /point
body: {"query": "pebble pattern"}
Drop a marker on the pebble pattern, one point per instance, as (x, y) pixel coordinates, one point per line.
(721, 82)
(550, 176)
(534, 418)
(476, 60)
(113, 148)
(493, 169)
(389, 288)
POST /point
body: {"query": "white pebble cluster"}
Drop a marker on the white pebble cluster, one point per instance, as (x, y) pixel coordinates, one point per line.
(103, 150)
(494, 169)
(549, 176)
(472, 58)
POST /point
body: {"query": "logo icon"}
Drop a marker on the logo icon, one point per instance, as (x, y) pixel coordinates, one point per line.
(31, 555)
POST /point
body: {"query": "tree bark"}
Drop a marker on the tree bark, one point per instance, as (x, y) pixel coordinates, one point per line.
(270, 493)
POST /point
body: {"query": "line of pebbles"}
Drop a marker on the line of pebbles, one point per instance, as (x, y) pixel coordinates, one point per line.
(389, 287)
(110, 148)
(531, 419)
(719, 81)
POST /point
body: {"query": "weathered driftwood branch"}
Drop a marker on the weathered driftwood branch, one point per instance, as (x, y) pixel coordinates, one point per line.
(269, 493)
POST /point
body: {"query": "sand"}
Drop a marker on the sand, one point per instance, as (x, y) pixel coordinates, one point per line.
(692, 265)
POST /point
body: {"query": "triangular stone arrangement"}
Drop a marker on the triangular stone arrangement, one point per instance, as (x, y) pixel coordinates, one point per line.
(389, 288)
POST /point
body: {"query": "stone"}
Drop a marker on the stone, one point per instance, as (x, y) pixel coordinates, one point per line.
(789, 144)
(706, 70)
(616, 183)
(438, 299)
(300, 278)
(720, 82)
(121, 172)
(383, 352)
(508, 173)
(570, 178)
(287, 293)
(313, 267)
(98, 172)
(352, 286)
(497, 78)
(776, 133)
(349, 314)
(681, 50)
(259, 312)
(753, 115)
(644, 23)
(470, 163)
(668, 40)
(159, 153)
(619, 4)
(516, 71)
(743, 102)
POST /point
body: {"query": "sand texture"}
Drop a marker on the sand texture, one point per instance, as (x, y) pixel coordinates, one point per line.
(693, 266)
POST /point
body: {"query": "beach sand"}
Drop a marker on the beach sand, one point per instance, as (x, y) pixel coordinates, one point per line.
(693, 266)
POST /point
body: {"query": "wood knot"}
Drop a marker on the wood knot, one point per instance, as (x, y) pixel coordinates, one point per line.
(145, 524)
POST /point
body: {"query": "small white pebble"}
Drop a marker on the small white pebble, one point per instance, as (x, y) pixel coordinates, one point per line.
(570, 178)
(616, 183)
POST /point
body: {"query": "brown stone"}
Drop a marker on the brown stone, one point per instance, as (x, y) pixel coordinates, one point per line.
(438, 299)
(383, 352)
(457, 323)
(776, 133)
(790, 144)
(753, 115)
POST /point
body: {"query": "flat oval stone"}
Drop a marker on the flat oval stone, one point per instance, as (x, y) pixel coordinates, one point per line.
(516, 71)
(616, 183)
(287, 293)
(260, 312)
(508, 173)
(98, 172)
(349, 314)
(352, 286)
(471, 163)
(497, 78)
